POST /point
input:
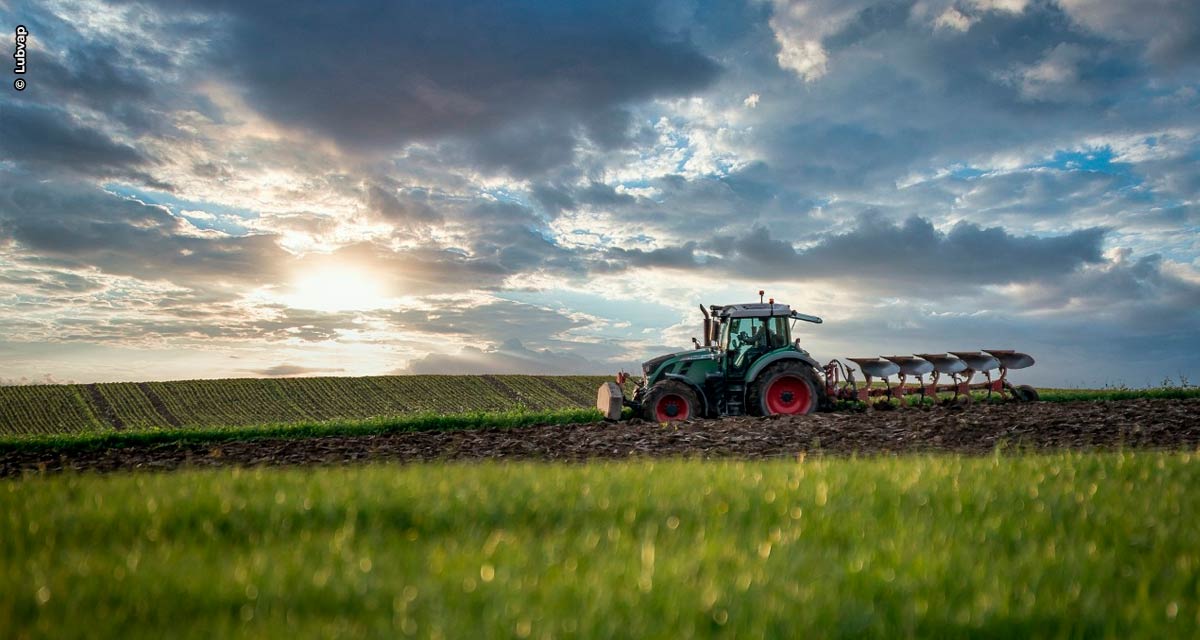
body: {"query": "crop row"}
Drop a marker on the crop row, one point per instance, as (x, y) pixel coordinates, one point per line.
(204, 403)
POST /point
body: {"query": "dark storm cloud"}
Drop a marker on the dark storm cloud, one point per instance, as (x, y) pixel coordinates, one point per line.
(76, 225)
(680, 257)
(48, 139)
(378, 74)
(525, 148)
(686, 208)
(97, 74)
(965, 254)
(878, 252)
(400, 206)
(555, 198)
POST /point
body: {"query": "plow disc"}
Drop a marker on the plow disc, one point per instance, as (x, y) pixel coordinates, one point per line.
(959, 367)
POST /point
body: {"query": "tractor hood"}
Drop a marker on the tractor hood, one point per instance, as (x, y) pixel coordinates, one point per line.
(652, 365)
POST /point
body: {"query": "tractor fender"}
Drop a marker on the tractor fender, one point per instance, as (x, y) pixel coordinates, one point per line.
(695, 387)
(767, 360)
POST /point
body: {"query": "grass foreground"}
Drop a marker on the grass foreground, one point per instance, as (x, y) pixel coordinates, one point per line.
(1062, 545)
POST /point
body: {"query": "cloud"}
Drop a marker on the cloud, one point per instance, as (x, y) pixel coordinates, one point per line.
(877, 254)
(511, 357)
(287, 370)
(1025, 82)
(799, 28)
(1142, 294)
(479, 71)
(1169, 29)
(1054, 77)
(402, 207)
(45, 378)
(81, 226)
(48, 139)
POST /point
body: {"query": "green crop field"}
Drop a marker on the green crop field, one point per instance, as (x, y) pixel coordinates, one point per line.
(107, 407)
(1066, 545)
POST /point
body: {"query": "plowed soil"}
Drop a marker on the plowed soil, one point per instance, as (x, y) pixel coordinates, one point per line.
(978, 429)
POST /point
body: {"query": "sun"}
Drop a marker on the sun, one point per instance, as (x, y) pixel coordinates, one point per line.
(335, 289)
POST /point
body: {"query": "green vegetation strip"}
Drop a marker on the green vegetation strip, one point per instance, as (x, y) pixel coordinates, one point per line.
(67, 442)
(1065, 545)
(1159, 393)
(1055, 395)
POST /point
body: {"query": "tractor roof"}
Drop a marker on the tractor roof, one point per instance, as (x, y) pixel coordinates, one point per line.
(759, 310)
(751, 310)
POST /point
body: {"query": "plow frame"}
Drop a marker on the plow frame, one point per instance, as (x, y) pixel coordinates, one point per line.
(841, 384)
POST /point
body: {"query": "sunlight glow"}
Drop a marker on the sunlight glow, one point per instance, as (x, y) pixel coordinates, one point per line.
(336, 289)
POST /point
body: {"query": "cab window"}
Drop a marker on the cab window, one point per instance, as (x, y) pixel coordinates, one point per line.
(762, 333)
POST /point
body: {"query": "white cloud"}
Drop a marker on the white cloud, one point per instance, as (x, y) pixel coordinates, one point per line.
(799, 28)
(952, 19)
(1053, 78)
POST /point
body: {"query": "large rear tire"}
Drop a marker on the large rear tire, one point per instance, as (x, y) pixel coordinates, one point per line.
(789, 387)
(670, 401)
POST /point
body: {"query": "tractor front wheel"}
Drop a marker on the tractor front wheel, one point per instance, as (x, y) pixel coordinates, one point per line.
(670, 401)
(788, 388)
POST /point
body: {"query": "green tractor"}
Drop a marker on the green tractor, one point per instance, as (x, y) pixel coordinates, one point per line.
(748, 364)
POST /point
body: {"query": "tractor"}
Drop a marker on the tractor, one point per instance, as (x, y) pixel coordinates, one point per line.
(749, 364)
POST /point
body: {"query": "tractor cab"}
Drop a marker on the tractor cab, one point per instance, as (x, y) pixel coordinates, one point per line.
(748, 332)
(748, 363)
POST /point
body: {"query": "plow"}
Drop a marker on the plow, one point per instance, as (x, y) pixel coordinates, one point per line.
(748, 364)
(961, 367)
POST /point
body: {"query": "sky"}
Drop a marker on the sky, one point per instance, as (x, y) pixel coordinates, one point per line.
(231, 189)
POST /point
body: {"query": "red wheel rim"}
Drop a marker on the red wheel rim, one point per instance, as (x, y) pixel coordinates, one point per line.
(671, 407)
(788, 394)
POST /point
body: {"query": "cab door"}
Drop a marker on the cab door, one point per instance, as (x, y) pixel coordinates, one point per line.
(748, 339)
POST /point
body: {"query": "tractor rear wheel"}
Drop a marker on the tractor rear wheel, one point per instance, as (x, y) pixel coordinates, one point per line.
(789, 387)
(670, 401)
